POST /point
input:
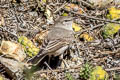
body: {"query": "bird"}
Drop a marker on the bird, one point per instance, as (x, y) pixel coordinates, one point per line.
(58, 39)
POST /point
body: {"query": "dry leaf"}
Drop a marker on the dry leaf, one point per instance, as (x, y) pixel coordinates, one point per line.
(76, 27)
(73, 7)
(2, 21)
(86, 37)
(49, 15)
(13, 50)
(1, 77)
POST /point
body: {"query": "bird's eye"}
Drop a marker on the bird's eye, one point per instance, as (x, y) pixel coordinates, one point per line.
(67, 20)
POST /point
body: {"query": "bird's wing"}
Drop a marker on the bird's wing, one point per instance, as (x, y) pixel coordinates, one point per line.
(47, 48)
(54, 45)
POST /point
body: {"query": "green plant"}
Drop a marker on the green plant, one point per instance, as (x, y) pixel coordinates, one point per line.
(28, 46)
(110, 29)
(85, 71)
(116, 76)
(69, 76)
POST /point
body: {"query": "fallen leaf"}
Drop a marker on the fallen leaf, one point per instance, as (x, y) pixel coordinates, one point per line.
(49, 15)
(86, 37)
(73, 7)
(13, 50)
(1, 77)
(76, 27)
(65, 14)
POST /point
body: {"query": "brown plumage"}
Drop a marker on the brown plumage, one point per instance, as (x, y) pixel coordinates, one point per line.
(57, 40)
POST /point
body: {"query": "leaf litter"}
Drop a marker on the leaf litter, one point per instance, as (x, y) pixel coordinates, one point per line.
(33, 18)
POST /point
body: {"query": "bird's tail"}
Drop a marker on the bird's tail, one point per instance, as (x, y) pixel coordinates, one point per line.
(37, 59)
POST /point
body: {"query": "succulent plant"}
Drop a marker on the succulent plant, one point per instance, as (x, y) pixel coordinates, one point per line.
(99, 74)
(110, 29)
(28, 46)
(114, 13)
(69, 76)
(85, 71)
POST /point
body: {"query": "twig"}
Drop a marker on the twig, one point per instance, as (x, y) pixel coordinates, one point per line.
(84, 30)
(113, 69)
(61, 7)
(9, 32)
(85, 3)
(58, 70)
(92, 17)
(65, 63)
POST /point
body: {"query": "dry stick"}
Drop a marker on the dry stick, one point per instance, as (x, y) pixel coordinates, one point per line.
(113, 69)
(85, 3)
(64, 4)
(61, 7)
(65, 63)
(97, 26)
(3, 27)
(81, 31)
(58, 70)
(91, 17)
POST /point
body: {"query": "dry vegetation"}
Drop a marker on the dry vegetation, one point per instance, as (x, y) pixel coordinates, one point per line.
(32, 18)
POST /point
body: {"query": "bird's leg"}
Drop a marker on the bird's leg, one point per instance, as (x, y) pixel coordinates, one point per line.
(67, 66)
(48, 66)
(49, 60)
(61, 58)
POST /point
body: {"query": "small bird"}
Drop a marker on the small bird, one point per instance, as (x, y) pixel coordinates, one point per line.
(58, 39)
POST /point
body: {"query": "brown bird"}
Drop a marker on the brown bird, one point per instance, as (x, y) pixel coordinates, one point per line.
(57, 41)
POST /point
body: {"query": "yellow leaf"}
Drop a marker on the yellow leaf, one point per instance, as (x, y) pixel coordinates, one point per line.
(86, 37)
(76, 27)
(68, 8)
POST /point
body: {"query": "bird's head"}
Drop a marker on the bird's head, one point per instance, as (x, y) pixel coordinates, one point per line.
(65, 22)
